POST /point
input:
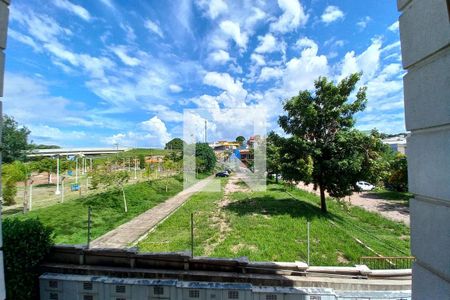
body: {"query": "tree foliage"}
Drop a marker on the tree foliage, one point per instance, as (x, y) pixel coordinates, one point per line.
(11, 174)
(175, 144)
(398, 178)
(25, 244)
(240, 139)
(14, 140)
(205, 158)
(321, 127)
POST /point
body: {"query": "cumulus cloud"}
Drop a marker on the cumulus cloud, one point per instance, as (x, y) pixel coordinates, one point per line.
(220, 56)
(157, 128)
(292, 17)
(267, 43)
(233, 30)
(153, 27)
(258, 59)
(213, 8)
(73, 8)
(234, 94)
(268, 73)
(331, 14)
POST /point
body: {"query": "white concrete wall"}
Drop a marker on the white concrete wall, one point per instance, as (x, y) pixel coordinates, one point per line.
(425, 39)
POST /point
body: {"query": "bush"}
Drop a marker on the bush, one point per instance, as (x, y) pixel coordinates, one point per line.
(398, 179)
(25, 244)
(9, 192)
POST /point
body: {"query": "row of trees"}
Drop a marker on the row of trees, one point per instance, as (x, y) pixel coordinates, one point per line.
(323, 148)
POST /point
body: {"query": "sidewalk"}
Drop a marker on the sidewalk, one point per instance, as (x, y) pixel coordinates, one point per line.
(131, 231)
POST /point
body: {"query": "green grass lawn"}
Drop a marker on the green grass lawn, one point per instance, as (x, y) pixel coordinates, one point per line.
(69, 219)
(271, 226)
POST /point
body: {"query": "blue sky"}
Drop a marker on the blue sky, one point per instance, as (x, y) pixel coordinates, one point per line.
(95, 73)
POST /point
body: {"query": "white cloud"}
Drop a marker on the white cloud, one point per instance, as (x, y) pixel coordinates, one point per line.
(293, 16)
(25, 39)
(305, 42)
(214, 8)
(258, 59)
(234, 95)
(268, 73)
(121, 52)
(331, 14)
(362, 23)
(393, 27)
(153, 27)
(301, 72)
(157, 128)
(267, 43)
(220, 56)
(73, 8)
(368, 62)
(108, 3)
(174, 88)
(52, 135)
(233, 30)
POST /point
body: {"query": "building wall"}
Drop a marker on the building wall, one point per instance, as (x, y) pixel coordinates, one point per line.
(425, 40)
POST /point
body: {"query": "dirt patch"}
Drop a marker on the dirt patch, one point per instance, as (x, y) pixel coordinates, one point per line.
(390, 209)
(342, 259)
(236, 248)
(220, 219)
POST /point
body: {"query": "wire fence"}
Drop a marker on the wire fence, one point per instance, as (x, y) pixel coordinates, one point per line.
(388, 262)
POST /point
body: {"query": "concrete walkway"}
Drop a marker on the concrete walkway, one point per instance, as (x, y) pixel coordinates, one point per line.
(125, 234)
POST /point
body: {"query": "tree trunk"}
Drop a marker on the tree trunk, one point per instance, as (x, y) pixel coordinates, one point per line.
(323, 203)
(276, 178)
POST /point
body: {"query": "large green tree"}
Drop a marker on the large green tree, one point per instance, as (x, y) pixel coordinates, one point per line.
(205, 157)
(175, 144)
(240, 139)
(321, 125)
(14, 140)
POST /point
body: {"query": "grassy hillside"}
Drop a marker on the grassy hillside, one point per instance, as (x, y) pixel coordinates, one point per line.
(271, 225)
(69, 219)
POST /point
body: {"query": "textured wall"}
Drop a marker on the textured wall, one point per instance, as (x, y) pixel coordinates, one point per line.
(425, 40)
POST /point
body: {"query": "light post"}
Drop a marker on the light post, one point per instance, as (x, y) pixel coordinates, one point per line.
(30, 199)
(76, 169)
(57, 192)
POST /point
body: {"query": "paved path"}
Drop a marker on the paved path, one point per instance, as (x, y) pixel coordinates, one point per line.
(125, 234)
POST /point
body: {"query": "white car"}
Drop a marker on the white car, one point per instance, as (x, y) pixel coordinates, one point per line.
(365, 186)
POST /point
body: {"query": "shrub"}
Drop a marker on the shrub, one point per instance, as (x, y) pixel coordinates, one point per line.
(9, 192)
(26, 243)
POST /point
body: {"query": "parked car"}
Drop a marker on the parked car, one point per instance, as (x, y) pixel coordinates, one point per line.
(364, 186)
(222, 174)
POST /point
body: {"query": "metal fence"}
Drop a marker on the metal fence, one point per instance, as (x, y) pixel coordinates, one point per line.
(388, 262)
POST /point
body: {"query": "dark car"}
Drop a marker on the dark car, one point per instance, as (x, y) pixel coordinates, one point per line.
(222, 174)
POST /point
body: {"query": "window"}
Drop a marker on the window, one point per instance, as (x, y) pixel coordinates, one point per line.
(53, 284)
(87, 286)
(233, 295)
(158, 290)
(271, 297)
(53, 296)
(194, 294)
(88, 297)
(120, 289)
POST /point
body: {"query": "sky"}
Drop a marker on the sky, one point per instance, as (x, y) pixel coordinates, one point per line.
(98, 73)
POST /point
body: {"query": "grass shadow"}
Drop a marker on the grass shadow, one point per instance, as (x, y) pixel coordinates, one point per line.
(388, 195)
(45, 185)
(268, 205)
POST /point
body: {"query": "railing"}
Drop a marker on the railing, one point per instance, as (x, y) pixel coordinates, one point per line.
(388, 262)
